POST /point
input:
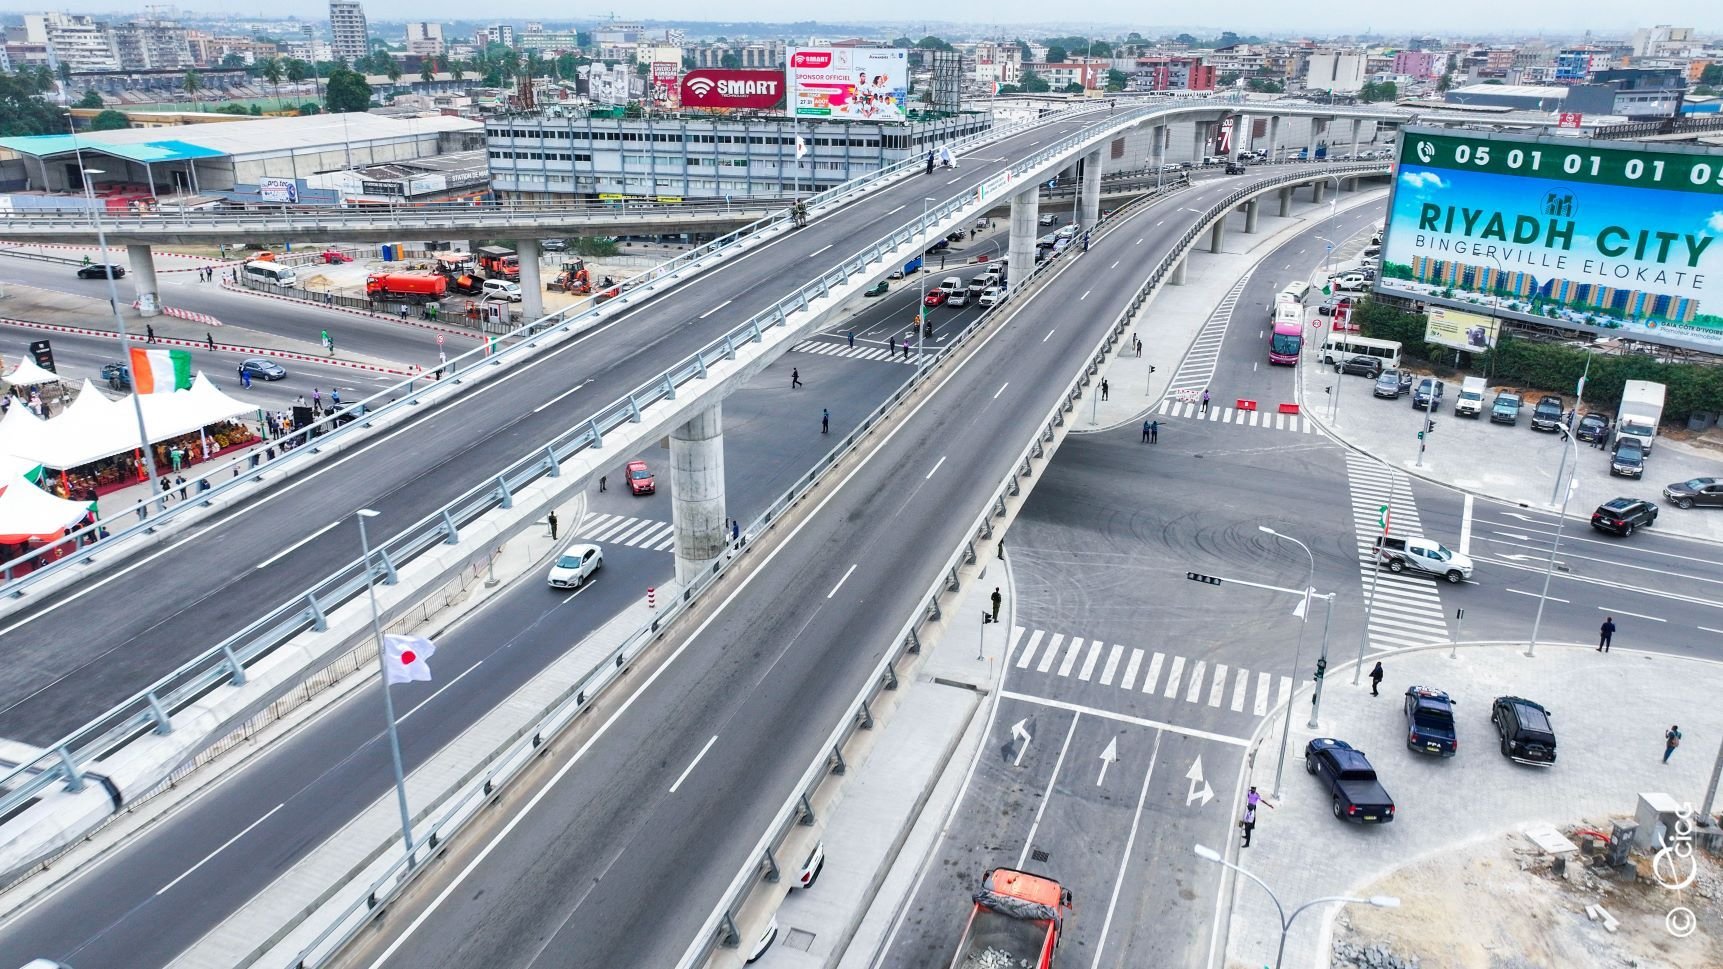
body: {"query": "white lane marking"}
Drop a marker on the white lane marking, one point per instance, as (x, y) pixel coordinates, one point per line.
(1240, 684)
(1153, 676)
(1218, 686)
(1125, 856)
(1112, 665)
(1534, 595)
(1126, 718)
(1196, 687)
(1139, 241)
(1173, 677)
(1129, 682)
(1466, 527)
(1710, 630)
(1115, 265)
(1016, 635)
(1001, 389)
(1089, 661)
(1042, 807)
(690, 768)
(1049, 335)
(289, 549)
(1052, 653)
(463, 673)
(955, 180)
(1029, 650)
(841, 581)
(936, 465)
(560, 396)
(715, 309)
(224, 847)
(1085, 295)
(819, 250)
(1636, 615)
(1263, 682)
(898, 209)
(1071, 651)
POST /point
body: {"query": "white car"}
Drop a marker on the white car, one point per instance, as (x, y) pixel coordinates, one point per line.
(501, 289)
(990, 296)
(575, 565)
(959, 297)
(1350, 282)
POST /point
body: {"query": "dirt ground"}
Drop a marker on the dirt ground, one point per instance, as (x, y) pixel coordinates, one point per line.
(1497, 904)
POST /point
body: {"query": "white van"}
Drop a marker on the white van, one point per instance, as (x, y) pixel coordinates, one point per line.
(271, 272)
(1338, 347)
(501, 289)
(950, 284)
(1296, 292)
(1470, 403)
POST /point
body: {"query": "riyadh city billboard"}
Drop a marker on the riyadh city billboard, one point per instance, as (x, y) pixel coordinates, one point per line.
(851, 83)
(1604, 236)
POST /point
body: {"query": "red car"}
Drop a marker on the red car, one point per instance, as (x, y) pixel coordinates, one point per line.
(640, 480)
(935, 297)
(335, 257)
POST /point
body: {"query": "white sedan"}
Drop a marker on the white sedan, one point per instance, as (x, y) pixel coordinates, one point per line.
(575, 565)
(990, 296)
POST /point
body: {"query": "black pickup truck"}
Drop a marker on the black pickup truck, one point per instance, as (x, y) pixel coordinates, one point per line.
(1350, 780)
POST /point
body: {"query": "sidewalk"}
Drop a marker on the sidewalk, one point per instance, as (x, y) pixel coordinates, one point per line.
(1170, 322)
(1609, 711)
(895, 800)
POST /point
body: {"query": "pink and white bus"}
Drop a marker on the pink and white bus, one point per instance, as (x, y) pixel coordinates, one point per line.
(1288, 336)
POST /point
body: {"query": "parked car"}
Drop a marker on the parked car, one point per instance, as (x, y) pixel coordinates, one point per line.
(261, 369)
(575, 565)
(1547, 416)
(1686, 494)
(1622, 515)
(1505, 409)
(1361, 365)
(1524, 728)
(119, 378)
(990, 296)
(1334, 304)
(1354, 792)
(939, 246)
(1349, 282)
(879, 289)
(640, 479)
(501, 289)
(98, 270)
(1428, 396)
(1430, 722)
(1393, 384)
(1592, 428)
(1628, 461)
(553, 245)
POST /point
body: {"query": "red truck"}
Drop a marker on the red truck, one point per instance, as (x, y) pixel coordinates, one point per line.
(498, 262)
(406, 287)
(1016, 922)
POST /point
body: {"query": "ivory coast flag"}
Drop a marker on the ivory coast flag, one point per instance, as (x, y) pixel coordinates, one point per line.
(160, 371)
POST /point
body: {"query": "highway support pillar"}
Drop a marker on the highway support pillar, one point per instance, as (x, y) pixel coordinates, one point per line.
(1286, 201)
(1199, 142)
(1217, 234)
(1021, 248)
(531, 281)
(697, 493)
(1316, 192)
(1178, 276)
(1090, 209)
(1274, 139)
(1158, 146)
(143, 267)
(1310, 147)
(1356, 124)
(1251, 209)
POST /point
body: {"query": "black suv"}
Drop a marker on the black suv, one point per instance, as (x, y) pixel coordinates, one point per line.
(1623, 515)
(1699, 491)
(1547, 415)
(1430, 722)
(1524, 727)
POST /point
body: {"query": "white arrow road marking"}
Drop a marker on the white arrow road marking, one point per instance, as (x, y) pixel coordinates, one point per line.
(1109, 757)
(1020, 732)
(1195, 776)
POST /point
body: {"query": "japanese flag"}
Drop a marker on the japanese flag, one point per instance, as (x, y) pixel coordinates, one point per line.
(404, 658)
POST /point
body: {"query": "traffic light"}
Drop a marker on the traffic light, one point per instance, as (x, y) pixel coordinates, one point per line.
(1420, 435)
(1321, 667)
(1198, 577)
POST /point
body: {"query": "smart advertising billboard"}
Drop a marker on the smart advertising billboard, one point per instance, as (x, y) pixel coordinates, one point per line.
(733, 89)
(851, 83)
(1460, 330)
(1603, 236)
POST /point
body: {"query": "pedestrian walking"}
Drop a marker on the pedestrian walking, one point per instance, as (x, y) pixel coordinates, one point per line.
(852, 339)
(316, 401)
(735, 530)
(1205, 401)
(1671, 740)
(1145, 432)
(997, 599)
(552, 520)
(1139, 346)
(245, 378)
(1248, 823)
(602, 480)
(1376, 679)
(403, 311)
(179, 480)
(334, 398)
(930, 163)
(1606, 631)
(1103, 388)
(825, 421)
(149, 333)
(795, 379)
(1154, 432)
(209, 339)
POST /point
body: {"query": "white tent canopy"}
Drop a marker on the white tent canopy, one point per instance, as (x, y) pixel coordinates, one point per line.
(27, 512)
(95, 427)
(28, 374)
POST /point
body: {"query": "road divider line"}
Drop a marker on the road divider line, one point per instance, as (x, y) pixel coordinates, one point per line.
(1636, 615)
(1115, 264)
(224, 846)
(714, 309)
(691, 764)
(841, 581)
(1125, 856)
(1085, 295)
(1001, 389)
(819, 250)
(294, 547)
(1127, 718)
(1534, 595)
(445, 686)
(1466, 527)
(560, 396)
(936, 465)
(1710, 630)
(1049, 335)
(1041, 808)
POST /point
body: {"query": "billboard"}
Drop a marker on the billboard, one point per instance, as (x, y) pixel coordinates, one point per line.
(852, 83)
(735, 89)
(1460, 330)
(665, 83)
(278, 190)
(1599, 236)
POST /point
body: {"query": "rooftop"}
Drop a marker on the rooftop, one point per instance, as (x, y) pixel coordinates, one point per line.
(251, 137)
(1512, 90)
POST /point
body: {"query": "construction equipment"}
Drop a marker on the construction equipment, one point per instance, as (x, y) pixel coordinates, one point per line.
(498, 262)
(572, 278)
(1016, 922)
(406, 287)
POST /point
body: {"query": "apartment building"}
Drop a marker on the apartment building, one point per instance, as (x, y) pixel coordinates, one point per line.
(425, 39)
(349, 33)
(81, 43)
(997, 63)
(152, 45)
(1336, 71)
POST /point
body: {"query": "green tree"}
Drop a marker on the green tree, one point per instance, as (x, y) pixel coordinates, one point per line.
(272, 70)
(730, 61)
(1712, 75)
(232, 60)
(23, 110)
(1055, 54)
(1023, 51)
(393, 69)
(1073, 88)
(43, 79)
(192, 83)
(1265, 85)
(1185, 40)
(347, 91)
(109, 120)
(568, 65)
(902, 42)
(90, 99)
(932, 43)
(1032, 83)
(234, 109)
(458, 70)
(1117, 79)
(65, 71)
(310, 108)
(1444, 82)
(1373, 91)
(1229, 79)
(427, 69)
(256, 111)
(1010, 89)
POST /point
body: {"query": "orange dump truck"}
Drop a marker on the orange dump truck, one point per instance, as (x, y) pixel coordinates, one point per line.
(1015, 923)
(406, 287)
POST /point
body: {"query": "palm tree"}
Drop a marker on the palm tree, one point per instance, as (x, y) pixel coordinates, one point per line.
(65, 72)
(457, 70)
(193, 81)
(271, 70)
(428, 69)
(394, 71)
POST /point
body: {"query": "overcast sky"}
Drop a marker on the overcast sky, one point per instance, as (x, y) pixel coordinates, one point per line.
(1458, 17)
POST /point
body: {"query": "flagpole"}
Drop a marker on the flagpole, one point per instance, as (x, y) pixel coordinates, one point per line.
(388, 702)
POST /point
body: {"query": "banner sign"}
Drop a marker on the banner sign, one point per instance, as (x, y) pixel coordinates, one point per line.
(751, 90)
(1460, 330)
(854, 83)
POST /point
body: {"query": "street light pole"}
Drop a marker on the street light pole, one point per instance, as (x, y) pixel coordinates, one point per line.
(1297, 652)
(921, 277)
(1567, 495)
(388, 702)
(1380, 901)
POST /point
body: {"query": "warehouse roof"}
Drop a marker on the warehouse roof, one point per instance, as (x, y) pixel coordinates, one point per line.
(154, 150)
(261, 135)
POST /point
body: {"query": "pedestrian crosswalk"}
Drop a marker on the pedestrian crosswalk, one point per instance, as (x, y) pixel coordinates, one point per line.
(644, 533)
(1273, 420)
(1139, 670)
(858, 352)
(1404, 610)
(1196, 370)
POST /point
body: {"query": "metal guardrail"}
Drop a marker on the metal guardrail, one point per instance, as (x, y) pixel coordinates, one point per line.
(152, 708)
(720, 928)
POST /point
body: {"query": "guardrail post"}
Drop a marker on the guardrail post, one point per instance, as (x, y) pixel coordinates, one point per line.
(389, 576)
(699, 367)
(933, 608)
(914, 645)
(69, 767)
(159, 714)
(728, 937)
(729, 347)
(453, 533)
(805, 812)
(237, 672)
(864, 717)
(838, 766)
(319, 621)
(987, 527)
(951, 582)
(552, 467)
(890, 676)
(968, 555)
(633, 410)
(771, 874)
(597, 435)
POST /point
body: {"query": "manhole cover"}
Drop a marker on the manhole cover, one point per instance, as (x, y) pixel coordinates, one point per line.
(1038, 855)
(799, 939)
